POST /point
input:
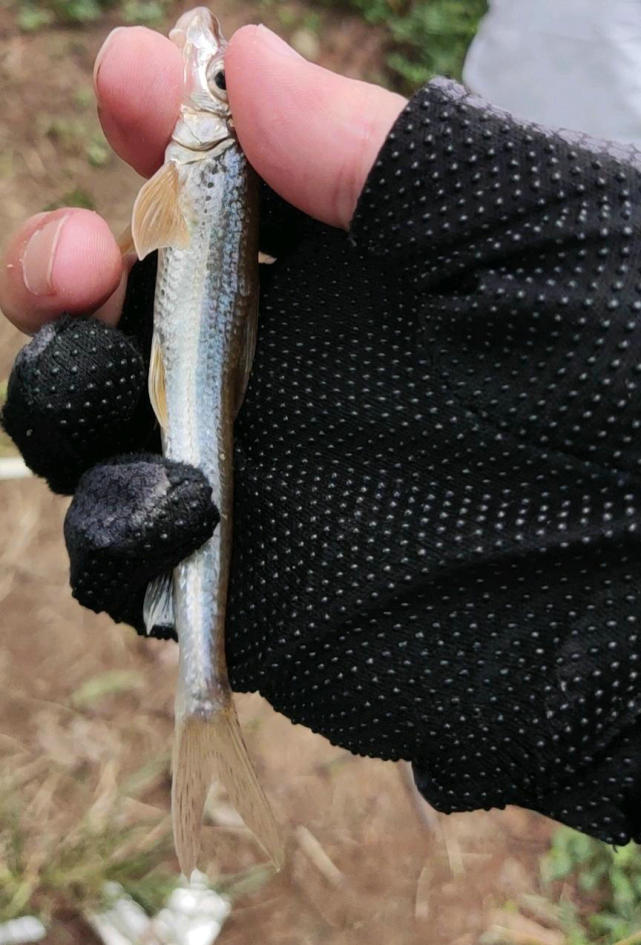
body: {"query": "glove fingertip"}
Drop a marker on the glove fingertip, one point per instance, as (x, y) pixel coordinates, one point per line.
(74, 395)
(130, 520)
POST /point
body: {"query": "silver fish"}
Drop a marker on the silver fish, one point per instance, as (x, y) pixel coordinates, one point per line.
(200, 211)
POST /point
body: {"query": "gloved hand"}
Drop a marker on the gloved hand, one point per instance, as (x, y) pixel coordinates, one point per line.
(436, 470)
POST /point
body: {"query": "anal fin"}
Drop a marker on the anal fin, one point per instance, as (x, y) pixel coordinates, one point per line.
(158, 606)
(157, 383)
(247, 359)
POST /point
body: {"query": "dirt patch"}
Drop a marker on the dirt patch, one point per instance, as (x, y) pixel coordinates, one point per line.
(395, 880)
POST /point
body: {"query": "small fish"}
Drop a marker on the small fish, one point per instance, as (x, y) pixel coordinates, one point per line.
(200, 211)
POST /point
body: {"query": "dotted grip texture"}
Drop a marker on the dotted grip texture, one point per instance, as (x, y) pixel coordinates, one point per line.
(437, 467)
(437, 502)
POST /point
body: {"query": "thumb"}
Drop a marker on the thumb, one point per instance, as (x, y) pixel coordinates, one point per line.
(311, 134)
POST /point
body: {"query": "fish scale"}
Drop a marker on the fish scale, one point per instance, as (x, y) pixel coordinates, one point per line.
(200, 212)
(198, 355)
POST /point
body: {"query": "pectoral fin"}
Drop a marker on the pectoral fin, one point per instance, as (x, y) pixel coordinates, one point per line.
(157, 219)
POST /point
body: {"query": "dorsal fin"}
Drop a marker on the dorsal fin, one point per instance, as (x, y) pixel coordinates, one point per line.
(157, 219)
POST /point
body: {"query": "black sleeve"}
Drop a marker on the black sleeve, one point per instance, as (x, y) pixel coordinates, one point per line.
(521, 250)
(471, 184)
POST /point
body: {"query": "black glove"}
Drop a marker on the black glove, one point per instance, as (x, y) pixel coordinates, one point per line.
(437, 503)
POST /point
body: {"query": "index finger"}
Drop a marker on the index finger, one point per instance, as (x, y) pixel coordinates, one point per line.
(138, 78)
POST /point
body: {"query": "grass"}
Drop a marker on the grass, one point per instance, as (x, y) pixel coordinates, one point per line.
(78, 197)
(591, 895)
(63, 867)
(34, 14)
(76, 134)
(422, 38)
(606, 877)
(68, 828)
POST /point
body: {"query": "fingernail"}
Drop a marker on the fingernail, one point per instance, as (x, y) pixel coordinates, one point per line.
(39, 256)
(275, 44)
(103, 49)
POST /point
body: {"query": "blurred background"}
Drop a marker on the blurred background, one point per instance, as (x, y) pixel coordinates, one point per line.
(86, 707)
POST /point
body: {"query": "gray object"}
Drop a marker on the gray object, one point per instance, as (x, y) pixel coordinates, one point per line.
(573, 64)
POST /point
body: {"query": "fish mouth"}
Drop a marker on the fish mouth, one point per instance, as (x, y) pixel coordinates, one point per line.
(197, 27)
(199, 37)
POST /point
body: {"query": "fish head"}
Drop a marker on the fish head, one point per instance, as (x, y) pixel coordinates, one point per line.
(205, 116)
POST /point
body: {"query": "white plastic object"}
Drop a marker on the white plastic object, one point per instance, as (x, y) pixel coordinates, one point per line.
(22, 931)
(13, 467)
(194, 915)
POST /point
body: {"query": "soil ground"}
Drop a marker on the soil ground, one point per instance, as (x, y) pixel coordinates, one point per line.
(397, 879)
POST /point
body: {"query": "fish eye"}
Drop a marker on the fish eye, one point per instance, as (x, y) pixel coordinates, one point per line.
(216, 80)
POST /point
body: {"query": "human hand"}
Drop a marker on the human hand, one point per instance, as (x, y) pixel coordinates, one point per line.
(390, 588)
(314, 142)
(68, 261)
(310, 134)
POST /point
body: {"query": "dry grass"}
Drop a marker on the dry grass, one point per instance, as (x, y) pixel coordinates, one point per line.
(63, 865)
(85, 733)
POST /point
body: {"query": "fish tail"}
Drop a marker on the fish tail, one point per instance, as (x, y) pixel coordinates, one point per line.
(208, 746)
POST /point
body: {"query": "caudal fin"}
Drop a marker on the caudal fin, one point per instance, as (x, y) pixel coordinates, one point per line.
(206, 748)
